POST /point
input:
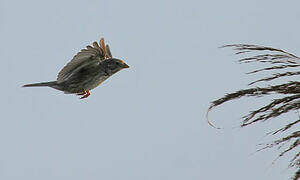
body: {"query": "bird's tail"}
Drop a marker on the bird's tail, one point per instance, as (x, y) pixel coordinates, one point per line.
(52, 84)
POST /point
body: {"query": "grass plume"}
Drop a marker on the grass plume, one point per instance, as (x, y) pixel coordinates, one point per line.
(281, 64)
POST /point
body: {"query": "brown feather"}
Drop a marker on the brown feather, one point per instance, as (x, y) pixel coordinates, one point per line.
(102, 44)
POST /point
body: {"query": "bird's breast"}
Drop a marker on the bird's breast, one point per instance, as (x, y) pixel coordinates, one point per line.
(96, 81)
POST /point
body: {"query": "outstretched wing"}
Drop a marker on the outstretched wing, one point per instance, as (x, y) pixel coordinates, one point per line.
(91, 53)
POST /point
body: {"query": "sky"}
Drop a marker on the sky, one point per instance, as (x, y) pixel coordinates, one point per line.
(148, 121)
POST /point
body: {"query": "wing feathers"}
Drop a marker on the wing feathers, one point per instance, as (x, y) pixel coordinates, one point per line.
(102, 44)
(108, 53)
(96, 52)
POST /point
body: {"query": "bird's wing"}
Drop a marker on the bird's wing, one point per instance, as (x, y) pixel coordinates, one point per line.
(105, 48)
(108, 53)
(95, 53)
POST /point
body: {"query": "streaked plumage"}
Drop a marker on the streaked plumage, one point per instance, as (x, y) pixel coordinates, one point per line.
(87, 70)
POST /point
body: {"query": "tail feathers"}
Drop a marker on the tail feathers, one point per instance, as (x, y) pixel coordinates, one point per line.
(50, 84)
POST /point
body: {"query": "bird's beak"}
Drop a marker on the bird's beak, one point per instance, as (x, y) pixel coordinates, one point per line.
(125, 65)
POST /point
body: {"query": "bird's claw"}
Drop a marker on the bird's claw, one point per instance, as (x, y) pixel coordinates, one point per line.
(85, 94)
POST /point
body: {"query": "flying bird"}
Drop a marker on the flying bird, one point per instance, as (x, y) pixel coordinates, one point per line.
(87, 70)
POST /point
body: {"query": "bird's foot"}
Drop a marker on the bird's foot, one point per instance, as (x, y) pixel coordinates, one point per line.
(85, 94)
(82, 93)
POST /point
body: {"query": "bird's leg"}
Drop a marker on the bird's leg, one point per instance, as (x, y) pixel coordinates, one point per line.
(87, 93)
(82, 93)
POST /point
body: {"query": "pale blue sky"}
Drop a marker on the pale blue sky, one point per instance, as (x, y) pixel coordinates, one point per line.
(146, 122)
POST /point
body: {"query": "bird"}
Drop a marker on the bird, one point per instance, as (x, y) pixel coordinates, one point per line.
(87, 70)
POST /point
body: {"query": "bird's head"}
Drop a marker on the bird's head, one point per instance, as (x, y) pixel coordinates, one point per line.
(121, 64)
(114, 65)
